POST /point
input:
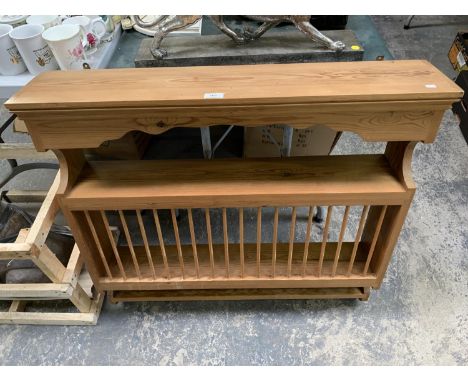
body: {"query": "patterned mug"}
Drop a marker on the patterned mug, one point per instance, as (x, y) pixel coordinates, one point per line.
(65, 42)
(36, 53)
(11, 62)
(93, 30)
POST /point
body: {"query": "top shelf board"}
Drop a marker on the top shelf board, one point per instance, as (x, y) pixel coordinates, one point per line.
(405, 80)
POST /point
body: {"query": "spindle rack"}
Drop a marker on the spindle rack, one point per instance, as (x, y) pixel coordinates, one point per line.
(399, 102)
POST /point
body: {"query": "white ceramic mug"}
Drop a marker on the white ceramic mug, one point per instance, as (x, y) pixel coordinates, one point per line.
(13, 20)
(35, 52)
(65, 42)
(11, 62)
(47, 21)
(95, 26)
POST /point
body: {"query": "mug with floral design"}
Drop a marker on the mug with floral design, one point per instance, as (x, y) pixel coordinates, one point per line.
(93, 30)
(35, 52)
(11, 62)
(65, 42)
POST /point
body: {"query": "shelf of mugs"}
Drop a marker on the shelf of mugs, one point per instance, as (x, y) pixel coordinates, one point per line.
(97, 58)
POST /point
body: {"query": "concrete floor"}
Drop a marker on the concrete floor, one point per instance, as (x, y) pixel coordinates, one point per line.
(419, 315)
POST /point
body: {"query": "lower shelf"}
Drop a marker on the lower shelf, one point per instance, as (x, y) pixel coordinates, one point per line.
(240, 294)
(233, 268)
(252, 274)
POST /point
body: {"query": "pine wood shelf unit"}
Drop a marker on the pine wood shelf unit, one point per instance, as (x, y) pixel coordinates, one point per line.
(399, 102)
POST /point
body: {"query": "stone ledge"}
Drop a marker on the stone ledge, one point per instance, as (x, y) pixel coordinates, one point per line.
(274, 47)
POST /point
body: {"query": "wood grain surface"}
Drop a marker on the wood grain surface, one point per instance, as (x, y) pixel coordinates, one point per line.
(400, 102)
(240, 84)
(239, 294)
(236, 183)
(373, 121)
(288, 263)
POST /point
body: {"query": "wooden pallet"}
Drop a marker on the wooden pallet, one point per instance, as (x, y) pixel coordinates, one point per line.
(67, 282)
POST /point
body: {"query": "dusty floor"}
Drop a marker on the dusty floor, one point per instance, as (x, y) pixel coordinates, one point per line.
(419, 316)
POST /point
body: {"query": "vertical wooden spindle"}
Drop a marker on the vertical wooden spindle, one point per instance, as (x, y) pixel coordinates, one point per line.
(130, 243)
(226, 242)
(177, 240)
(145, 242)
(259, 238)
(98, 244)
(194, 242)
(340, 240)
(241, 240)
(162, 247)
(114, 246)
(324, 239)
(374, 239)
(357, 240)
(307, 239)
(275, 240)
(292, 229)
(210, 240)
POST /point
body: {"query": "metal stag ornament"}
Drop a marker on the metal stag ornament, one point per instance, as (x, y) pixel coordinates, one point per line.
(166, 24)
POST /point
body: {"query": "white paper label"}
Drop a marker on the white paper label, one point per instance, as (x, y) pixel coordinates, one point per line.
(431, 86)
(461, 60)
(213, 95)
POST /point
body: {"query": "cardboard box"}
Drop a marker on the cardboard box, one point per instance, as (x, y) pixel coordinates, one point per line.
(305, 142)
(458, 53)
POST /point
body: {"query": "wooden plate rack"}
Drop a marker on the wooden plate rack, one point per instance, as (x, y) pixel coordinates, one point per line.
(400, 102)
